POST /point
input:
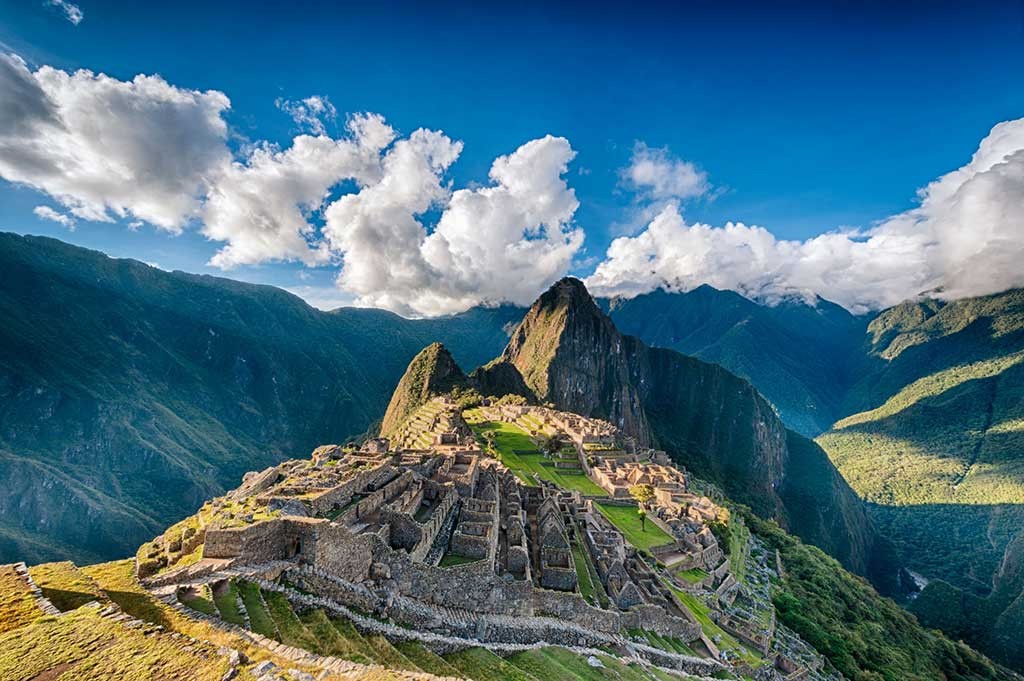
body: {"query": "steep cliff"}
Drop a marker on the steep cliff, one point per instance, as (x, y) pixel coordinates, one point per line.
(569, 353)
(432, 372)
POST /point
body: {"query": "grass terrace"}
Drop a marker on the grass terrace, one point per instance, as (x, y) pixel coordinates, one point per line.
(627, 521)
(65, 585)
(17, 604)
(724, 641)
(693, 575)
(452, 560)
(516, 450)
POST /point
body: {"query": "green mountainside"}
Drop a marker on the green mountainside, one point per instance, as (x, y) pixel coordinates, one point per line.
(794, 354)
(935, 441)
(129, 395)
(866, 636)
(569, 353)
(922, 407)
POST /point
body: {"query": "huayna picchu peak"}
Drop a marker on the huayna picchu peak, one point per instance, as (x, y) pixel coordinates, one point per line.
(570, 354)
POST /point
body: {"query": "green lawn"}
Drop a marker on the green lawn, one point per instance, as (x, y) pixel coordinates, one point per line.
(627, 521)
(259, 618)
(516, 450)
(451, 560)
(227, 604)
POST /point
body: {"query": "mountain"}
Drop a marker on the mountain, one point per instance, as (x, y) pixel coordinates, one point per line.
(935, 441)
(129, 395)
(431, 372)
(569, 353)
(794, 353)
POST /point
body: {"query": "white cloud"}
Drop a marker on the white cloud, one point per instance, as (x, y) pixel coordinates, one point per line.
(658, 176)
(309, 113)
(261, 207)
(47, 213)
(965, 238)
(105, 148)
(504, 242)
(71, 11)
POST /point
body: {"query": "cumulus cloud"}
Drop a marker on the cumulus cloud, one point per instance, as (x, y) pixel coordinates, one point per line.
(71, 11)
(656, 175)
(503, 242)
(105, 148)
(261, 206)
(965, 238)
(47, 213)
(310, 113)
(147, 151)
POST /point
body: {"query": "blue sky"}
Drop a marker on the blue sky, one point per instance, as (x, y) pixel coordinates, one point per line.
(805, 118)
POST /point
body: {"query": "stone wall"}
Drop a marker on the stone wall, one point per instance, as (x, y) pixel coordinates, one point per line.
(265, 541)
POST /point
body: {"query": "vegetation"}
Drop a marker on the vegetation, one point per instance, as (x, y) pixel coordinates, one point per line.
(627, 521)
(226, 600)
(202, 379)
(65, 585)
(17, 605)
(483, 665)
(643, 494)
(431, 372)
(93, 647)
(724, 640)
(865, 636)
(453, 559)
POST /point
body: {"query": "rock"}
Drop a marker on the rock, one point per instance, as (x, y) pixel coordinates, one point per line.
(265, 667)
(594, 662)
(380, 572)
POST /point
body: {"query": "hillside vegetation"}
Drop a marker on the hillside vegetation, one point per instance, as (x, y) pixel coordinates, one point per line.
(936, 443)
(867, 637)
(129, 395)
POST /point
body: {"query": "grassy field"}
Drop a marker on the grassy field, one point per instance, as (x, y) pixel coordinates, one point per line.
(693, 575)
(586, 585)
(627, 521)
(516, 450)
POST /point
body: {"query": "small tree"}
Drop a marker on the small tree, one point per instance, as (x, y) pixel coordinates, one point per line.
(552, 444)
(643, 495)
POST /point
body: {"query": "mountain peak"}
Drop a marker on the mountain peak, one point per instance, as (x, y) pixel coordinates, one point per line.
(431, 372)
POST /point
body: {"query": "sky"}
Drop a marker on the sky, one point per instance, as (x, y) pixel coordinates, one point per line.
(427, 159)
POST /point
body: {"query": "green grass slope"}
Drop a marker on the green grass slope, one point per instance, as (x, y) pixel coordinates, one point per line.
(867, 637)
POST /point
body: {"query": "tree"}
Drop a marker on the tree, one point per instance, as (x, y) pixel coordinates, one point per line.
(551, 444)
(643, 495)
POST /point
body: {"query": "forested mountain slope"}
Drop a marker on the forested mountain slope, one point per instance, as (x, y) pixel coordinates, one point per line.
(795, 354)
(936, 442)
(129, 395)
